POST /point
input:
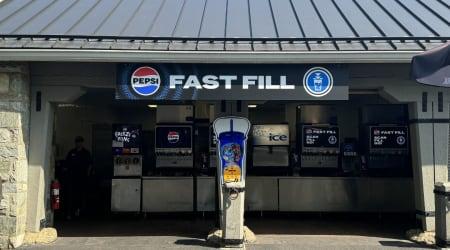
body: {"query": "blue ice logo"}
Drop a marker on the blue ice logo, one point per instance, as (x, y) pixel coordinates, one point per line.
(318, 82)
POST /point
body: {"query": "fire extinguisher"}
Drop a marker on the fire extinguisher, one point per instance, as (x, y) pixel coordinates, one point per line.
(55, 187)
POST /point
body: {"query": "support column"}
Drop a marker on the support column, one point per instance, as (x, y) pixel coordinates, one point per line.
(430, 138)
(14, 120)
(43, 99)
(429, 133)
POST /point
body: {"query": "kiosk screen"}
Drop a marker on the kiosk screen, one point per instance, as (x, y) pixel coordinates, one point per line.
(320, 137)
(389, 137)
(174, 137)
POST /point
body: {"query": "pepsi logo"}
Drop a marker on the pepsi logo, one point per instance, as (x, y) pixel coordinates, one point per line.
(173, 137)
(145, 81)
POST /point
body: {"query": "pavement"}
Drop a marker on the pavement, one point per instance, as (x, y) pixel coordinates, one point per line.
(305, 232)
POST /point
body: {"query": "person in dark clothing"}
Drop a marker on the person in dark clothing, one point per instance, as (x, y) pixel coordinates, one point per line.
(78, 165)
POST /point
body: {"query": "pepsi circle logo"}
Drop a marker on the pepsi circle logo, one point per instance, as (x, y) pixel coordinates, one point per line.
(145, 81)
(318, 82)
(173, 137)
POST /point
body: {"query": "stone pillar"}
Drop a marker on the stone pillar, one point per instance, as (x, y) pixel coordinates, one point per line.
(14, 138)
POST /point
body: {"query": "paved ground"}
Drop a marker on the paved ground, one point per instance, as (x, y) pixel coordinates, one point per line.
(272, 233)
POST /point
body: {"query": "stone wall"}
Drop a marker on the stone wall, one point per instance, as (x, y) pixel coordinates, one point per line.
(14, 138)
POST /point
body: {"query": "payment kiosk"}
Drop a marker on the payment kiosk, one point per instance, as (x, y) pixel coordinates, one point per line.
(126, 183)
(231, 134)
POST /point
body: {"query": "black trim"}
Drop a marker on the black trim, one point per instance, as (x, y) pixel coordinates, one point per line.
(424, 101)
(239, 106)
(223, 106)
(447, 194)
(429, 120)
(38, 101)
(426, 213)
(440, 102)
(233, 241)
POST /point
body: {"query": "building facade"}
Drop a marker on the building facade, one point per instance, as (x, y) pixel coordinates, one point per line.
(55, 53)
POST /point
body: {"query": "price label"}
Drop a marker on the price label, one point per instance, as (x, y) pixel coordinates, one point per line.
(232, 173)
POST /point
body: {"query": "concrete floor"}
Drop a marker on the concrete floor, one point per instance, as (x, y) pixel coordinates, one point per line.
(291, 232)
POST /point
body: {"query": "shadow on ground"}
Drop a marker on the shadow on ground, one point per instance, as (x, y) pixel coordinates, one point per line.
(388, 225)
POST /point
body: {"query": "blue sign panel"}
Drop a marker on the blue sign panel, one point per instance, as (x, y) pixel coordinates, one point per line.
(232, 82)
(318, 81)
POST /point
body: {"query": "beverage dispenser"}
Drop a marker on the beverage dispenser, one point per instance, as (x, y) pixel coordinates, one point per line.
(127, 150)
(127, 163)
(320, 147)
(388, 147)
(173, 146)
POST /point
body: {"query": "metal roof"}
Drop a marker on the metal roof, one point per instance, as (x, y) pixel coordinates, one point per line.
(229, 25)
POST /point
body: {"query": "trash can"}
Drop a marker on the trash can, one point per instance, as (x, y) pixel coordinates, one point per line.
(442, 217)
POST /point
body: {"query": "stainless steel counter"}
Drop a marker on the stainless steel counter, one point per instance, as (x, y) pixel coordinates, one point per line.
(205, 193)
(167, 194)
(346, 194)
(288, 194)
(125, 195)
(261, 193)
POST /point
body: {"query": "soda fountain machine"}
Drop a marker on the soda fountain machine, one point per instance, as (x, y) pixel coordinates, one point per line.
(320, 147)
(171, 190)
(388, 148)
(127, 157)
(173, 146)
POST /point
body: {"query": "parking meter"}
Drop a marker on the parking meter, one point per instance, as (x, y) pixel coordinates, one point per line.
(231, 135)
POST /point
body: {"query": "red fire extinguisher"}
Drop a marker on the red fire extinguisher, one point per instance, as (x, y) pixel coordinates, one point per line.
(55, 187)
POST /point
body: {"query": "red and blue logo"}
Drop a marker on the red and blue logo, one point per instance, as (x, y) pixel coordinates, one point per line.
(145, 81)
(173, 137)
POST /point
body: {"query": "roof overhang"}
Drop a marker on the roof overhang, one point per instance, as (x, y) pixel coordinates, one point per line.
(77, 55)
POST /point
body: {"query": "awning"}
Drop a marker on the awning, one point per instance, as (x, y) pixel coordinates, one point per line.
(432, 67)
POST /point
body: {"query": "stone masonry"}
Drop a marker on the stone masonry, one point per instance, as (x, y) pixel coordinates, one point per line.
(14, 137)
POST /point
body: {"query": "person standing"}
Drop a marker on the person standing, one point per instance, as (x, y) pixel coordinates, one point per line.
(79, 166)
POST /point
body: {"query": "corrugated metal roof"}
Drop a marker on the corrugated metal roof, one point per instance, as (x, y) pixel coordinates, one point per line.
(260, 24)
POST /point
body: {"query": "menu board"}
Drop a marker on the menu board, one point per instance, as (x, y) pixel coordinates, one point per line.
(174, 137)
(389, 137)
(126, 139)
(320, 136)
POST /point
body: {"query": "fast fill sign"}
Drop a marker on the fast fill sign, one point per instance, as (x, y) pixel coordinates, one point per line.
(211, 82)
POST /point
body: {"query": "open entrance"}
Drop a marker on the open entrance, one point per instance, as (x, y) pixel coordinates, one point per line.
(149, 167)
